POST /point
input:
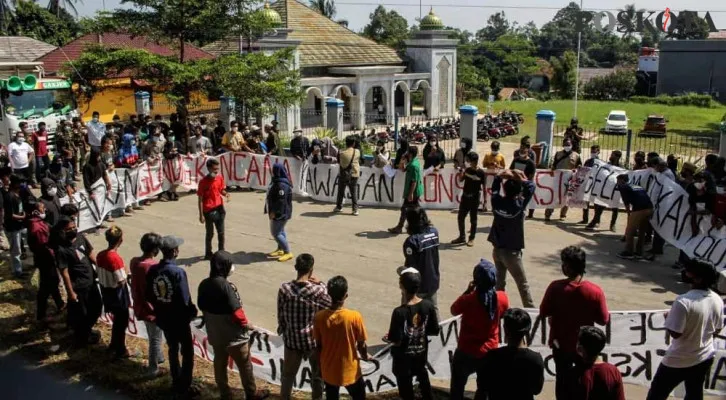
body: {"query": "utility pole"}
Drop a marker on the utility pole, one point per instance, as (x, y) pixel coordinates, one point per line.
(577, 70)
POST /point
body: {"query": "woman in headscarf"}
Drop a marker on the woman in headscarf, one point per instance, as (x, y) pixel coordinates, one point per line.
(227, 326)
(278, 206)
(481, 308)
(329, 151)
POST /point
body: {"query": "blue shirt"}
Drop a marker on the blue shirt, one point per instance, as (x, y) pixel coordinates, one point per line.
(421, 251)
(167, 289)
(507, 230)
(635, 196)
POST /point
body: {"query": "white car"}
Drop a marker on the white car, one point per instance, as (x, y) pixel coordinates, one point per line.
(616, 122)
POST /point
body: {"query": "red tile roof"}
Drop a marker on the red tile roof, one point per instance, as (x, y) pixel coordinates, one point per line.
(54, 61)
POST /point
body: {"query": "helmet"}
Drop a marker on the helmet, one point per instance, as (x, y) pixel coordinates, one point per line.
(573, 121)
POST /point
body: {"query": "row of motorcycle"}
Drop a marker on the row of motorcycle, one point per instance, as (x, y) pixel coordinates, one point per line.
(495, 126)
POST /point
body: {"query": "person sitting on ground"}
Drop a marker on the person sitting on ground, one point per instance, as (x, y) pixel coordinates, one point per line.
(569, 304)
(474, 179)
(227, 327)
(341, 337)
(594, 378)
(411, 323)
(514, 372)
(113, 278)
(481, 308)
(278, 206)
(639, 208)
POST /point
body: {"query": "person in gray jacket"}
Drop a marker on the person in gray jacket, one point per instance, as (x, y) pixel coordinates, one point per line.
(228, 329)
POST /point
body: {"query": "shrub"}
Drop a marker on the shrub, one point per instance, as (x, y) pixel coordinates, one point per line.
(619, 85)
(688, 99)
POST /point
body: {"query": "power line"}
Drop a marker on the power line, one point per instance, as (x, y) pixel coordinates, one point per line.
(502, 7)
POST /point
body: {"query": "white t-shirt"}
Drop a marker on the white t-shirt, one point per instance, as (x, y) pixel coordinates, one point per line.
(96, 132)
(19, 155)
(697, 315)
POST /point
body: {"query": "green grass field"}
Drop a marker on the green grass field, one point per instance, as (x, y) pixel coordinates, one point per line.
(686, 120)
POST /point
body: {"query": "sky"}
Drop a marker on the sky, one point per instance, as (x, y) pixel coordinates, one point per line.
(472, 15)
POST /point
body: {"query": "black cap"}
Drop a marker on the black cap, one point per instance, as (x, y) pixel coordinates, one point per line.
(170, 243)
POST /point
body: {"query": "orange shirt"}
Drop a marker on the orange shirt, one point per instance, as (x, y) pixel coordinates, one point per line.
(337, 333)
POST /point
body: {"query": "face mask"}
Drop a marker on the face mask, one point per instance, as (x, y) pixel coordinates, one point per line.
(231, 270)
(594, 155)
(567, 148)
(495, 152)
(380, 148)
(212, 174)
(699, 185)
(41, 216)
(234, 129)
(298, 134)
(52, 192)
(155, 138)
(462, 145)
(71, 235)
(95, 119)
(171, 138)
(20, 140)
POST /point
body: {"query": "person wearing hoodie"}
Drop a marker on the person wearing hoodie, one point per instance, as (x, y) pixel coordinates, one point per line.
(62, 176)
(465, 147)
(228, 329)
(38, 241)
(49, 198)
(278, 206)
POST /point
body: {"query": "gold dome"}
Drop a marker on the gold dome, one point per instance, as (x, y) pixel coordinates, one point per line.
(270, 15)
(431, 22)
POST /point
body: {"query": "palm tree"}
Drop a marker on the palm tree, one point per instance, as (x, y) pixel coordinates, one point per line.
(55, 6)
(6, 13)
(324, 7)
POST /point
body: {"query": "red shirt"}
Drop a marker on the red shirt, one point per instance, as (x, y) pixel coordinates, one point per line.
(570, 305)
(597, 382)
(40, 143)
(38, 237)
(210, 190)
(143, 310)
(478, 333)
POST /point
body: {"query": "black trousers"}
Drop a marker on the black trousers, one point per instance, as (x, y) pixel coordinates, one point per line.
(462, 366)
(84, 313)
(118, 329)
(47, 287)
(214, 220)
(598, 215)
(564, 364)
(468, 205)
(404, 209)
(404, 369)
(666, 379)
(357, 390)
(352, 185)
(179, 338)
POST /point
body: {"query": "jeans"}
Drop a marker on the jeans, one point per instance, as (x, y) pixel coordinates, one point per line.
(41, 165)
(462, 366)
(564, 363)
(179, 337)
(277, 228)
(352, 185)
(47, 286)
(16, 249)
(156, 356)
(468, 205)
(511, 260)
(240, 354)
(357, 390)
(666, 379)
(293, 359)
(404, 369)
(598, 214)
(404, 209)
(638, 221)
(214, 219)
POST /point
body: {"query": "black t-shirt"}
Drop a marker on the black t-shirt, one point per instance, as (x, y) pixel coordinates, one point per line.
(74, 257)
(473, 180)
(421, 251)
(218, 296)
(410, 328)
(13, 205)
(527, 166)
(513, 373)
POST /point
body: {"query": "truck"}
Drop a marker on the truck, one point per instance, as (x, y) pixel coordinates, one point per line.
(27, 95)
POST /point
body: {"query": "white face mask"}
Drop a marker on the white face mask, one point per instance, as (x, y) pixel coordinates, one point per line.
(94, 119)
(298, 134)
(212, 174)
(495, 152)
(567, 148)
(20, 140)
(462, 145)
(41, 216)
(594, 155)
(52, 192)
(699, 185)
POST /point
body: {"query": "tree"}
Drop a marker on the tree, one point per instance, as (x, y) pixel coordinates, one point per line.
(324, 7)
(6, 14)
(515, 57)
(34, 21)
(688, 26)
(619, 85)
(497, 25)
(564, 71)
(387, 27)
(55, 6)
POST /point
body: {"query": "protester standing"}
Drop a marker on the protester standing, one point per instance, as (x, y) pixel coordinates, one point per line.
(143, 310)
(639, 208)
(40, 148)
(513, 372)
(474, 179)
(465, 146)
(113, 278)
(614, 160)
(340, 335)
(692, 323)
(227, 327)
(278, 206)
(300, 149)
(481, 308)
(411, 324)
(566, 159)
(233, 140)
(96, 130)
(20, 154)
(14, 223)
(421, 251)
(211, 191)
(433, 156)
(39, 242)
(75, 259)
(593, 378)
(494, 160)
(349, 172)
(382, 156)
(297, 302)
(167, 289)
(413, 188)
(199, 144)
(569, 304)
(507, 231)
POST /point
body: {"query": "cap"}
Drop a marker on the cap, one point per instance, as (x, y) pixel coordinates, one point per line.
(47, 182)
(170, 242)
(406, 270)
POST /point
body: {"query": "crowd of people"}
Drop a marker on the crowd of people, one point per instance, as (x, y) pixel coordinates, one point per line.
(312, 318)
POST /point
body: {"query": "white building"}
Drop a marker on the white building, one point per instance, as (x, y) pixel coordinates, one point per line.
(372, 80)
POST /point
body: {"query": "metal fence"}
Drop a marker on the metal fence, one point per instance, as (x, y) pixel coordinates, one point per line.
(686, 146)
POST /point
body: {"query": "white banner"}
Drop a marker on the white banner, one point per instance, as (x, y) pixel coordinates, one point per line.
(637, 342)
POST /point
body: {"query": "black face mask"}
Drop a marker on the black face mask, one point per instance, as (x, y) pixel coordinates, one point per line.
(71, 235)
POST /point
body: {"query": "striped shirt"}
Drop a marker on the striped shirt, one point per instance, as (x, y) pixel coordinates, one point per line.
(111, 269)
(297, 303)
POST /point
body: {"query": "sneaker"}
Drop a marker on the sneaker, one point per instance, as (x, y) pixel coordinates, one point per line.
(612, 228)
(337, 210)
(260, 395)
(153, 373)
(649, 257)
(583, 222)
(626, 255)
(591, 227)
(470, 243)
(276, 253)
(355, 212)
(395, 230)
(285, 257)
(547, 219)
(459, 240)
